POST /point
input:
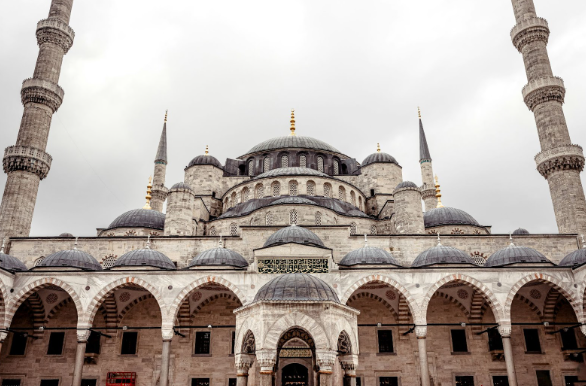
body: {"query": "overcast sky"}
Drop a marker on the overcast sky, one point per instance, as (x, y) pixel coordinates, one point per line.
(230, 71)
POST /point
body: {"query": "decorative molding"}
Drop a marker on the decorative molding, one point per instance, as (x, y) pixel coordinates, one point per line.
(529, 31)
(542, 90)
(42, 92)
(56, 32)
(567, 157)
(27, 159)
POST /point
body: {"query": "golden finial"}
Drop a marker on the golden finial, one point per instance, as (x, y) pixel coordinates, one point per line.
(207, 150)
(166, 112)
(292, 122)
(419, 112)
(378, 147)
(148, 195)
(438, 194)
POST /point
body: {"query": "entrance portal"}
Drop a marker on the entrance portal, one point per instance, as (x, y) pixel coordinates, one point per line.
(295, 375)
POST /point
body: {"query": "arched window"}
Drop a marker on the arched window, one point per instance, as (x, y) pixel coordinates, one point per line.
(310, 188)
(293, 217)
(353, 228)
(373, 230)
(284, 161)
(327, 190)
(360, 203)
(39, 261)
(276, 189)
(233, 199)
(320, 164)
(108, 261)
(292, 188)
(317, 218)
(269, 218)
(342, 193)
(303, 161)
(260, 191)
(353, 198)
(266, 165)
(233, 229)
(336, 167)
(251, 167)
(213, 231)
(245, 195)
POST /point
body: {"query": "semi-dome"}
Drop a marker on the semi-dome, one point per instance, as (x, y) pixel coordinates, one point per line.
(292, 142)
(520, 231)
(379, 158)
(514, 254)
(442, 254)
(573, 259)
(292, 171)
(447, 216)
(205, 160)
(72, 258)
(293, 234)
(219, 257)
(181, 185)
(140, 218)
(65, 235)
(145, 257)
(296, 287)
(406, 184)
(368, 255)
(11, 263)
(293, 200)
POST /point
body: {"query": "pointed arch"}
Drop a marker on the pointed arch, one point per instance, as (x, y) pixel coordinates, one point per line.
(368, 295)
(211, 298)
(248, 345)
(133, 303)
(452, 299)
(300, 321)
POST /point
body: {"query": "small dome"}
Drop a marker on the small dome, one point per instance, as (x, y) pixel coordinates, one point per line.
(368, 255)
(291, 172)
(293, 234)
(181, 185)
(217, 257)
(296, 287)
(11, 263)
(521, 231)
(447, 216)
(205, 160)
(441, 254)
(292, 142)
(293, 200)
(145, 257)
(72, 258)
(378, 158)
(515, 254)
(573, 259)
(65, 235)
(406, 184)
(140, 218)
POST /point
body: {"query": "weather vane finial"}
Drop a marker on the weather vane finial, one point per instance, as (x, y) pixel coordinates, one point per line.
(419, 112)
(148, 195)
(292, 122)
(207, 150)
(378, 147)
(438, 194)
(166, 112)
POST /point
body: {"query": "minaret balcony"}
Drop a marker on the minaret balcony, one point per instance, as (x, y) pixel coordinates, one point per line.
(55, 31)
(528, 31)
(42, 92)
(28, 159)
(567, 157)
(541, 90)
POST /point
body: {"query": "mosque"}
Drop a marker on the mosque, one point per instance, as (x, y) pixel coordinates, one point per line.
(293, 264)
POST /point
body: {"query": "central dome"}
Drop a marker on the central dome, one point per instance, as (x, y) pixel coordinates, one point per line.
(297, 287)
(291, 141)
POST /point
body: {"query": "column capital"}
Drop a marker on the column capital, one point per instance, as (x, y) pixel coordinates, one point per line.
(243, 363)
(266, 360)
(167, 334)
(83, 335)
(326, 360)
(349, 364)
(505, 329)
(3, 336)
(421, 332)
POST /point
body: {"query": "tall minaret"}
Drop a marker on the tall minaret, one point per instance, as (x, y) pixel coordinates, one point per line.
(428, 188)
(560, 161)
(159, 192)
(27, 163)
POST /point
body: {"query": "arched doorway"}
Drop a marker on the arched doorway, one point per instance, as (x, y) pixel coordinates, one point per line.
(295, 374)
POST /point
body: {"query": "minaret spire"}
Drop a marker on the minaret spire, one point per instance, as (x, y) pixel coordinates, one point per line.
(560, 162)
(427, 190)
(424, 155)
(159, 191)
(161, 156)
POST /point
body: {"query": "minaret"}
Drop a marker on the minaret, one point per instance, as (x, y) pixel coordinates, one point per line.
(27, 163)
(560, 162)
(159, 192)
(428, 188)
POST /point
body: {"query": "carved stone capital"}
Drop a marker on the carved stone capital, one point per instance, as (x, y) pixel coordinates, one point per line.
(568, 157)
(529, 31)
(42, 92)
(3, 336)
(28, 159)
(83, 335)
(55, 31)
(421, 332)
(349, 364)
(583, 329)
(505, 330)
(159, 193)
(266, 360)
(243, 363)
(541, 90)
(167, 334)
(326, 360)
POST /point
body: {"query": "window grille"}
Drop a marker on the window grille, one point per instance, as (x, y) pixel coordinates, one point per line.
(233, 199)
(202, 342)
(336, 168)
(129, 340)
(353, 228)
(342, 193)
(284, 161)
(39, 261)
(251, 167)
(266, 165)
(213, 231)
(276, 189)
(233, 229)
(373, 230)
(303, 161)
(260, 191)
(328, 190)
(385, 341)
(318, 218)
(310, 188)
(108, 261)
(269, 218)
(293, 217)
(320, 164)
(293, 188)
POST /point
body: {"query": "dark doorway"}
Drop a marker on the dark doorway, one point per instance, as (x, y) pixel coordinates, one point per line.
(295, 375)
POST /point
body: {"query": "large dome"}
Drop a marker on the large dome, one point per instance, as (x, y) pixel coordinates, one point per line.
(368, 255)
(140, 218)
(515, 254)
(205, 160)
(71, 259)
(447, 216)
(296, 287)
(219, 257)
(292, 142)
(11, 263)
(294, 234)
(291, 172)
(441, 254)
(378, 158)
(575, 258)
(145, 257)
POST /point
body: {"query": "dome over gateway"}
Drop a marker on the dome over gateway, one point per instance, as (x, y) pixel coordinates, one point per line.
(292, 142)
(11, 263)
(575, 258)
(139, 218)
(145, 257)
(447, 216)
(441, 254)
(71, 259)
(294, 234)
(297, 287)
(368, 255)
(514, 254)
(219, 257)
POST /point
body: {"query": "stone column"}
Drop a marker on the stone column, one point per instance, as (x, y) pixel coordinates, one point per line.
(349, 365)
(27, 163)
(266, 360)
(166, 356)
(421, 333)
(243, 363)
(3, 336)
(325, 360)
(505, 331)
(82, 337)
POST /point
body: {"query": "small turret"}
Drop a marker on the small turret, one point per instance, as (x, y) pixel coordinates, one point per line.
(408, 217)
(427, 190)
(159, 192)
(180, 206)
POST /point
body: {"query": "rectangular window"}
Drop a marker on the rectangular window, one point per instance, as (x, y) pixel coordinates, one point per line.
(232, 382)
(543, 378)
(495, 341)
(385, 341)
(500, 380)
(49, 382)
(11, 382)
(129, 341)
(200, 382)
(571, 380)
(56, 343)
(89, 382)
(532, 340)
(465, 380)
(202, 342)
(459, 341)
(233, 343)
(93, 343)
(569, 341)
(358, 381)
(388, 381)
(19, 342)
